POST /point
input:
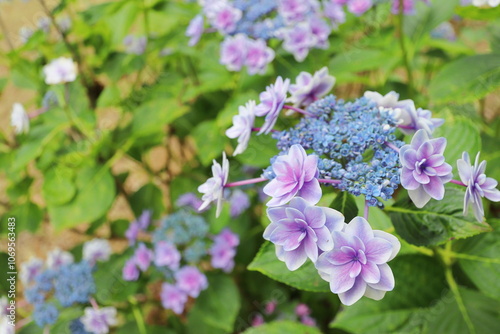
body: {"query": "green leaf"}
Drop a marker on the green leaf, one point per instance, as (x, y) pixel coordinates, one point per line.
(154, 115)
(28, 217)
(283, 326)
(476, 13)
(401, 310)
(462, 135)
(437, 222)
(209, 141)
(467, 79)
(483, 264)
(428, 17)
(110, 96)
(445, 317)
(216, 308)
(110, 286)
(58, 187)
(259, 152)
(95, 194)
(304, 278)
(346, 204)
(149, 197)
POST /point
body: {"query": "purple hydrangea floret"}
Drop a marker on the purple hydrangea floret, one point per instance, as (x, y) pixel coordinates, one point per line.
(242, 126)
(195, 30)
(191, 280)
(478, 185)
(357, 265)
(238, 202)
(213, 188)
(166, 254)
(233, 52)
(143, 257)
(271, 103)
(130, 271)
(173, 298)
(424, 171)
(99, 320)
(309, 88)
(258, 56)
(296, 175)
(300, 231)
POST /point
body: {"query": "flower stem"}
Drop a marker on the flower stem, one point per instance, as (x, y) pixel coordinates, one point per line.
(245, 182)
(391, 145)
(301, 111)
(367, 208)
(329, 181)
(93, 303)
(137, 315)
(458, 182)
(404, 50)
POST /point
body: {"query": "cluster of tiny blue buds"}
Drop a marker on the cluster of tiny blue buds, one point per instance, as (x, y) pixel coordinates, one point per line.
(350, 139)
(181, 228)
(253, 23)
(45, 314)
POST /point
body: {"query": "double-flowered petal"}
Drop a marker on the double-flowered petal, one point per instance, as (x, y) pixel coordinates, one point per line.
(213, 188)
(356, 266)
(296, 175)
(424, 171)
(300, 231)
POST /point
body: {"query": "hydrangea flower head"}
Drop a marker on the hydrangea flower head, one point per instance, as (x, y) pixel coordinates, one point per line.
(357, 265)
(478, 185)
(271, 103)
(242, 126)
(60, 70)
(143, 257)
(167, 254)
(57, 258)
(309, 88)
(96, 250)
(173, 298)
(424, 171)
(296, 175)
(224, 17)
(45, 314)
(99, 320)
(228, 238)
(213, 188)
(238, 203)
(191, 280)
(19, 119)
(222, 256)
(358, 7)
(195, 30)
(300, 230)
(74, 283)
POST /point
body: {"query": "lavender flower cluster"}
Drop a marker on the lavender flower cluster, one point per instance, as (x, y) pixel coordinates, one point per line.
(61, 281)
(301, 313)
(247, 26)
(179, 243)
(354, 148)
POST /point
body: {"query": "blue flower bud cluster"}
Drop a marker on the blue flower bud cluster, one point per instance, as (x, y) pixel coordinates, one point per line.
(350, 140)
(181, 228)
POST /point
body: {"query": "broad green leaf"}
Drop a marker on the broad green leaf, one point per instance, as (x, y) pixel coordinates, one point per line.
(467, 79)
(149, 197)
(28, 217)
(437, 222)
(120, 16)
(346, 204)
(95, 194)
(462, 135)
(58, 186)
(445, 317)
(401, 310)
(66, 316)
(428, 17)
(304, 278)
(259, 152)
(379, 220)
(483, 264)
(110, 286)
(209, 141)
(154, 115)
(476, 13)
(216, 308)
(24, 74)
(283, 326)
(110, 96)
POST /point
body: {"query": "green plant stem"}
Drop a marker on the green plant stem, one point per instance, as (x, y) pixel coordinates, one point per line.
(446, 256)
(475, 258)
(5, 32)
(137, 315)
(404, 50)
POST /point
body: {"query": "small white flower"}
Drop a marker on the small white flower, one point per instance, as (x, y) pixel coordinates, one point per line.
(60, 70)
(99, 320)
(96, 250)
(58, 257)
(19, 119)
(213, 188)
(29, 270)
